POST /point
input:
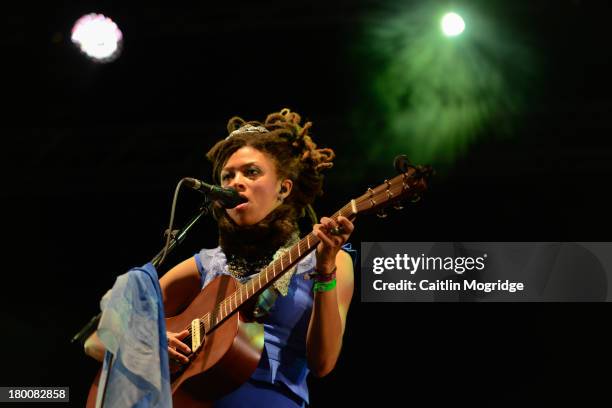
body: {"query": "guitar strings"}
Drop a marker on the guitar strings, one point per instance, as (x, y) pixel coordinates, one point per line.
(371, 198)
(304, 245)
(232, 299)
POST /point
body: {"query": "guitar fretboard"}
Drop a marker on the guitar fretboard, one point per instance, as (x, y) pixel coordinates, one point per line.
(406, 185)
(265, 277)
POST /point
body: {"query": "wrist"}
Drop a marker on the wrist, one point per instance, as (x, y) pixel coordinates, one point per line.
(324, 275)
(325, 269)
(320, 275)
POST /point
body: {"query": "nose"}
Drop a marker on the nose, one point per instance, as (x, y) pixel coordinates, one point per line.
(237, 182)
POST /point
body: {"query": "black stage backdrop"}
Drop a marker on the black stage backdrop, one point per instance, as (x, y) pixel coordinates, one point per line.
(91, 155)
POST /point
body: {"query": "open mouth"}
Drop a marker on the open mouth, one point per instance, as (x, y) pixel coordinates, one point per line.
(243, 205)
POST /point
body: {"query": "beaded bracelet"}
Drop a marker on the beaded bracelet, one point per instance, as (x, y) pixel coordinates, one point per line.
(324, 286)
(321, 277)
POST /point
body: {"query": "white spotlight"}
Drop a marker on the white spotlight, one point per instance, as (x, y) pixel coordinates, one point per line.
(98, 37)
(452, 24)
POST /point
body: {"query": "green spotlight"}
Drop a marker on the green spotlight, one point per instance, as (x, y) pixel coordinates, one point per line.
(432, 97)
(452, 24)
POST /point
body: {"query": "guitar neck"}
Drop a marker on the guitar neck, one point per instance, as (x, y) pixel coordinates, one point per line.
(269, 274)
(407, 185)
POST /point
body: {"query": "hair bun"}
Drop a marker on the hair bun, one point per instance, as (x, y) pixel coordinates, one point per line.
(320, 159)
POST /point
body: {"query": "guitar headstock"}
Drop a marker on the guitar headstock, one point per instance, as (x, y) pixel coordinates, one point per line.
(408, 185)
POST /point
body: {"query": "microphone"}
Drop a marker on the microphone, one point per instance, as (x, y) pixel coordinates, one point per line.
(227, 197)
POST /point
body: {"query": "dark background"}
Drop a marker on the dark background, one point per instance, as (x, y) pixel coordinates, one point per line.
(91, 154)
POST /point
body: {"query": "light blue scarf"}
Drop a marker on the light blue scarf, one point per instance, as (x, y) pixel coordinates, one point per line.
(133, 330)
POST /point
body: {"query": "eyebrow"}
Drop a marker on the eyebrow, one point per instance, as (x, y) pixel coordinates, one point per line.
(241, 166)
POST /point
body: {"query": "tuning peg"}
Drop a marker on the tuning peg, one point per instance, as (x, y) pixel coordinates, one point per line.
(416, 199)
(398, 206)
(401, 163)
(381, 214)
(426, 171)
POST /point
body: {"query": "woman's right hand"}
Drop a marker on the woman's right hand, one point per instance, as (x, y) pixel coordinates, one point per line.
(177, 350)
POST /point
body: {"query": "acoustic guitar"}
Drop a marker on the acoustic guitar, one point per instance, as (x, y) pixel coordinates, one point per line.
(226, 345)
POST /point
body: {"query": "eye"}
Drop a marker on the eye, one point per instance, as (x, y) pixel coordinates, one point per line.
(226, 176)
(252, 171)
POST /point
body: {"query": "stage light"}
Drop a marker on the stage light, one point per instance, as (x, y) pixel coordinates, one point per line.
(432, 97)
(452, 24)
(98, 37)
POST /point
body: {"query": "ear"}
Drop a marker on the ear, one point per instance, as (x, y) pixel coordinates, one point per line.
(286, 186)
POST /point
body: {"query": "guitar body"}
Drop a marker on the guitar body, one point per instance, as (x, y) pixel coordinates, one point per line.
(227, 358)
(229, 355)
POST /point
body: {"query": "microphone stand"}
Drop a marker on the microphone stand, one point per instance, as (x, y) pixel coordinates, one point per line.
(176, 237)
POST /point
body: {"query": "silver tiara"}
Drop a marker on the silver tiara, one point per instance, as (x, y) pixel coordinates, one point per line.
(248, 129)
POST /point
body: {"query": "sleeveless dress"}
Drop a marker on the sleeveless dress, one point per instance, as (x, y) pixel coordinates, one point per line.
(280, 378)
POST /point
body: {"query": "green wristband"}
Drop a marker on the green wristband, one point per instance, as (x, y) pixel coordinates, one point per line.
(324, 286)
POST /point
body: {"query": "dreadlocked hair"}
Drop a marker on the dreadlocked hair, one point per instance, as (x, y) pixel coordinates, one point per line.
(292, 150)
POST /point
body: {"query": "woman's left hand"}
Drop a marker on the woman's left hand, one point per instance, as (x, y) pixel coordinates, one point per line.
(332, 235)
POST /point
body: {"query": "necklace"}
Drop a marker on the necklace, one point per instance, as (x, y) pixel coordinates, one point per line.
(243, 269)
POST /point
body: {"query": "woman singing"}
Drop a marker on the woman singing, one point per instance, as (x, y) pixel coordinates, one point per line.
(277, 167)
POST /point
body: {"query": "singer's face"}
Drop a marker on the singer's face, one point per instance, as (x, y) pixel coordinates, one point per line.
(253, 174)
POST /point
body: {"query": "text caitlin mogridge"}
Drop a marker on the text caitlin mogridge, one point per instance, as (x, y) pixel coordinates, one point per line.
(458, 264)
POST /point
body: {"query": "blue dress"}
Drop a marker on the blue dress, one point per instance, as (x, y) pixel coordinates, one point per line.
(280, 378)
